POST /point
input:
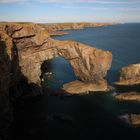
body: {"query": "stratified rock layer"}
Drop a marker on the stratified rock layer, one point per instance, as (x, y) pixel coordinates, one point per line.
(5, 81)
(129, 75)
(23, 49)
(128, 96)
(89, 64)
(34, 46)
(71, 26)
(79, 87)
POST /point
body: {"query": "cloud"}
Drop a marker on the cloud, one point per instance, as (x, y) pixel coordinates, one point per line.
(74, 1)
(12, 1)
(92, 1)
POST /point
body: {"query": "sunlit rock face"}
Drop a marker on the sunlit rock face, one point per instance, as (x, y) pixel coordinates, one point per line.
(34, 45)
(79, 87)
(89, 64)
(71, 26)
(23, 49)
(128, 96)
(129, 75)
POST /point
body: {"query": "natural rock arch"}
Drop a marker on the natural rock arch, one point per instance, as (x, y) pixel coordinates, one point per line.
(56, 72)
(89, 64)
(34, 45)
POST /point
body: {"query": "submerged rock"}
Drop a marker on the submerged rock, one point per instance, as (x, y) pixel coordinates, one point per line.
(79, 87)
(132, 96)
(134, 119)
(131, 119)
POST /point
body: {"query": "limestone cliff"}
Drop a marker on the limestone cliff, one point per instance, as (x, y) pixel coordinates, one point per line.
(34, 46)
(53, 28)
(89, 64)
(69, 26)
(129, 75)
(5, 80)
(23, 49)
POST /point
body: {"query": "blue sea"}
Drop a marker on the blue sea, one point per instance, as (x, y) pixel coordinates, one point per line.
(123, 40)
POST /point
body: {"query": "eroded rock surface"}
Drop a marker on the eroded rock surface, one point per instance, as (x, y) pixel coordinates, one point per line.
(130, 96)
(23, 49)
(129, 75)
(34, 46)
(71, 26)
(131, 119)
(79, 87)
(5, 80)
(89, 64)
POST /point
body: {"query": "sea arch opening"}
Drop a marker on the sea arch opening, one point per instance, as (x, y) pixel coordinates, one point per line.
(56, 72)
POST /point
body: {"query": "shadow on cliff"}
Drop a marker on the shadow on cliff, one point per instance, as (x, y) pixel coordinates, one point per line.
(91, 116)
(5, 106)
(76, 117)
(14, 87)
(20, 86)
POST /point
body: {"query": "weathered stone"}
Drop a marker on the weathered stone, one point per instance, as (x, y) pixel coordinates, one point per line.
(79, 87)
(131, 119)
(5, 80)
(129, 75)
(132, 96)
(89, 64)
(23, 49)
(71, 26)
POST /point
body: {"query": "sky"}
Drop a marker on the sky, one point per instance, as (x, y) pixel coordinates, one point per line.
(51, 11)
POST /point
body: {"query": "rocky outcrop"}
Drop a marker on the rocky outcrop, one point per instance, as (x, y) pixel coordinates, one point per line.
(24, 48)
(53, 28)
(89, 64)
(131, 119)
(134, 119)
(128, 96)
(72, 26)
(34, 46)
(5, 80)
(12, 84)
(129, 75)
(79, 87)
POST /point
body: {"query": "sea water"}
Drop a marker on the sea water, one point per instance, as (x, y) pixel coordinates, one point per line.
(123, 40)
(93, 116)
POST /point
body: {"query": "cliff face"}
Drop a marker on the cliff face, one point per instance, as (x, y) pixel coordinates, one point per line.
(53, 28)
(23, 49)
(34, 46)
(69, 26)
(5, 80)
(89, 64)
(11, 77)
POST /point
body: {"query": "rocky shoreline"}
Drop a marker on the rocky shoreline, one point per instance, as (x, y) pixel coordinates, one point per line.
(129, 83)
(128, 96)
(25, 46)
(79, 87)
